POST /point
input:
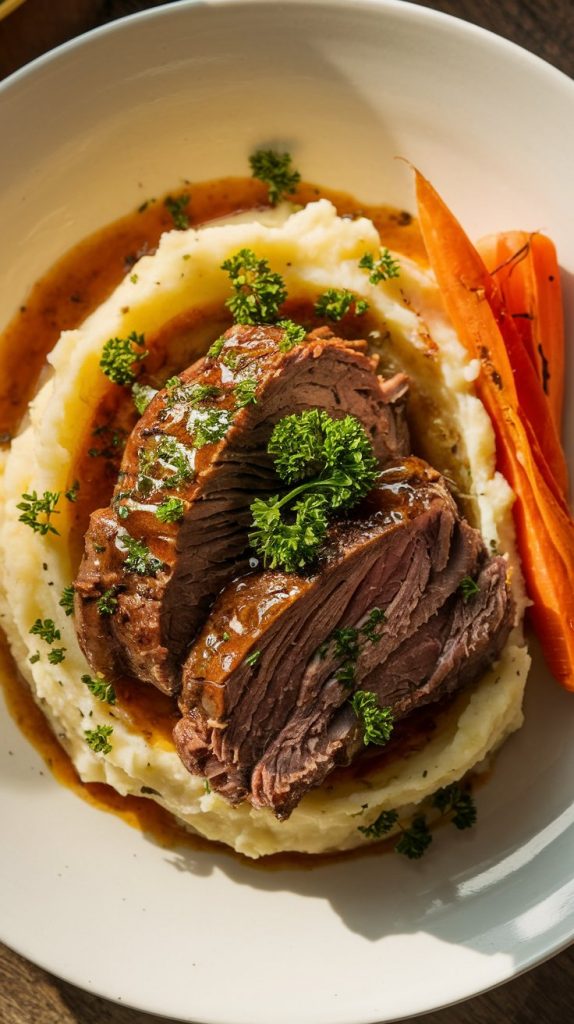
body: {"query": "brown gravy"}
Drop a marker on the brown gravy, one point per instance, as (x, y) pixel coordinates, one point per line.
(79, 282)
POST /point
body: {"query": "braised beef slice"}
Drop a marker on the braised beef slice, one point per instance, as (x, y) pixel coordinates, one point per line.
(452, 648)
(160, 609)
(266, 686)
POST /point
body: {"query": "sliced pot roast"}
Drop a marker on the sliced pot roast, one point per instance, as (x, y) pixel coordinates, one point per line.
(176, 532)
(267, 684)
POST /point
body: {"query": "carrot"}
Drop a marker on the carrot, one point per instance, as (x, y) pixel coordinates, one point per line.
(525, 267)
(524, 362)
(544, 527)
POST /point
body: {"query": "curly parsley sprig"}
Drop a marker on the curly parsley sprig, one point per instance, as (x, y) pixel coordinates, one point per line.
(37, 511)
(258, 292)
(377, 722)
(333, 463)
(335, 303)
(415, 836)
(119, 356)
(275, 170)
(380, 268)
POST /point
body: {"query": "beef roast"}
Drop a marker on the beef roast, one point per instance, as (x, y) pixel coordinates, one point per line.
(266, 687)
(177, 529)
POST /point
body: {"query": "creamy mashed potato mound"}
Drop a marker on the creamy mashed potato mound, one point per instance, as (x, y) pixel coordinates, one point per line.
(313, 249)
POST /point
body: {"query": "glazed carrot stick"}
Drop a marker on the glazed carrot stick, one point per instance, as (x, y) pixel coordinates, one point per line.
(523, 360)
(545, 530)
(525, 267)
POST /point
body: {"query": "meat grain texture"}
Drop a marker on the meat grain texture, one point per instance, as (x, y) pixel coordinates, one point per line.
(267, 687)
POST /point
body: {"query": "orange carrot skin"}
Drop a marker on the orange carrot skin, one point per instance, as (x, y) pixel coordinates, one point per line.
(545, 530)
(525, 267)
(549, 321)
(531, 400)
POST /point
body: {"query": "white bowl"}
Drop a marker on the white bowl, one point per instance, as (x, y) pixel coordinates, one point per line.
(187, 91)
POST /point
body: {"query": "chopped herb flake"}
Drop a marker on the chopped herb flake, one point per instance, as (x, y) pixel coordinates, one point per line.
(38, 511)
(56, 655)
(139, 559)
(244, 392)
(383, 824)
(177, 207)
(107, 604)
(416, 839)
(468, 588)
(293, 335)
(46, 630)
(67, 599)
(381, 268)
(336, 302)
(377, 722)
(142, 395)
(171, 510)
(72, 493)
(215, 349)
(119, 356)
(252, 658)
(210, 426)
(97, 738)
(275, 170)
(257, 291)
(457, 802)
(101, 689)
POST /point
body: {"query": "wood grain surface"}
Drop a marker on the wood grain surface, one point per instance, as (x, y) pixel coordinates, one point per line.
(545, 995)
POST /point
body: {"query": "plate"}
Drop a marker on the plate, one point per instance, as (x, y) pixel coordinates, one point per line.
(187, 91)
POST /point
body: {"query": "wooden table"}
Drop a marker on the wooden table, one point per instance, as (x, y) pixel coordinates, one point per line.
(545, 995)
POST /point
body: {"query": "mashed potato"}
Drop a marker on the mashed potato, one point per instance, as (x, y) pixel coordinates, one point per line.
(313, 249)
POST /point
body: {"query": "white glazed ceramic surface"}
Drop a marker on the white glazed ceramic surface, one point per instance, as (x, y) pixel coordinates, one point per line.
(187, 91)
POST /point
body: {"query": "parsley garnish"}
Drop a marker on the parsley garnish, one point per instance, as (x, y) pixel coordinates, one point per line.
(168, 457)
(67, 599)
(46, 630)
(335, 459)
(377, 722)
(468, 588)
(171, 510)
(56, 655)
(415, 839)
(244, 392)
(119, 356)
(383, 824)
(336, 302)
(230, 360)
(252, 658)
(97, 738)
(215, 350)
(34, 658)
(275, 170)
(117, 439)
(177, 208)
(72, 493)
(139, 559)
(107, 604)
(191, 394)
(257, 291)
(142, 395)
(382, 268)
(101, 689)
(455, 801)
(210, 426)
(293, 334)
(38, 511)
(368, 629)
